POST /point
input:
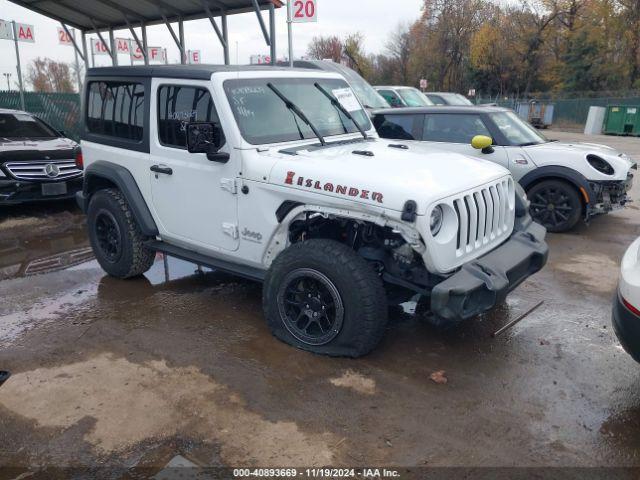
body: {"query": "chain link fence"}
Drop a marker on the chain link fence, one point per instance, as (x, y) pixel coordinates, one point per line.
(570, 110)
(60, 110)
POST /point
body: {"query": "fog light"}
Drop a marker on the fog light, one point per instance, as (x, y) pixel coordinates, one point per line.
(436, 220)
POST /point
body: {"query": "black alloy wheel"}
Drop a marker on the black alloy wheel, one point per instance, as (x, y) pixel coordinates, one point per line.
(555, 204)
(108, 235)
(310, 306)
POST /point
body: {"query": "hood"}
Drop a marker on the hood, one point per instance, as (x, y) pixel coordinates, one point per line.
(574, 155)
(383, 176)
(36, 149)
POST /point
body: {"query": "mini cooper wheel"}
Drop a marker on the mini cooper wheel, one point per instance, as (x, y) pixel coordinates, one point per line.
(115, 237)
(555, 204)
(320, 296)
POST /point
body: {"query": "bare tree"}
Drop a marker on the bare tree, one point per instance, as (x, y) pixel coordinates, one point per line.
(399, 49)
(322, 48)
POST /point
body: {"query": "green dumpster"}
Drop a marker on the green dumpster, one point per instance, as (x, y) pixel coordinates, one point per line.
(622, 120)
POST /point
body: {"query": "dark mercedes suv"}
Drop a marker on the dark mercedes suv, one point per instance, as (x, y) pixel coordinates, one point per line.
(36, 161)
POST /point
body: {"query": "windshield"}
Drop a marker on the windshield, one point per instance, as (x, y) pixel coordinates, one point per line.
(517, 131)
(457, 99)
(264, 118)
(22, 125)
(414, 98)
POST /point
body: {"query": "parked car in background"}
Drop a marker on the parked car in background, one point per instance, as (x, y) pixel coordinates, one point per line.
(448, 98)
(626, 305)
(364, 92)
(565, 182)
(37, 162)
(404, 96)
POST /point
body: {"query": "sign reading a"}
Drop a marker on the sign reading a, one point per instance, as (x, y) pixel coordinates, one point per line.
(25, 33)
(304, 11)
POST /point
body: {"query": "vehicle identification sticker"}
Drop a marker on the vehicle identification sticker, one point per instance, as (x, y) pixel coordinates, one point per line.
(21, 117)
(347, 99)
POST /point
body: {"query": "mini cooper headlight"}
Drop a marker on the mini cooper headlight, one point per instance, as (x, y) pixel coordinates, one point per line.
(600, 164)
(436, 220)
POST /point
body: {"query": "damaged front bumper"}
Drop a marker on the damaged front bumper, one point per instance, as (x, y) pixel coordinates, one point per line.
(479, 285)
(608, 196)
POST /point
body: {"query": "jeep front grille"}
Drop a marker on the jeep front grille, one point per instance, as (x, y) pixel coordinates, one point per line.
(39, 170)
(484, 215)
(475, 222)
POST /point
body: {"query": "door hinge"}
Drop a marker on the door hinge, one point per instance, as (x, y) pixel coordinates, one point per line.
(230, 229)
(229, 184)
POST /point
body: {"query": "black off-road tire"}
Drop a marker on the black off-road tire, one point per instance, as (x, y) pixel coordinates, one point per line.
(132, 258)
(565, 201)
(360, 290)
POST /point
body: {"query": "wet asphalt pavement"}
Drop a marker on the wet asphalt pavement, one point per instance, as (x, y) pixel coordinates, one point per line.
(180, 362)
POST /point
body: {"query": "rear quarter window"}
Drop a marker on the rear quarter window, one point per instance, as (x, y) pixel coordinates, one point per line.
(116, 109)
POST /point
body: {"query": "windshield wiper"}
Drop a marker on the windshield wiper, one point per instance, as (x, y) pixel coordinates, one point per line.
(334, 101)
(294, 108)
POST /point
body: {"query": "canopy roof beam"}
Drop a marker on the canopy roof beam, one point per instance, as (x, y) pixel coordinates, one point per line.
(263, 27)
(104, 43)
(141, 45)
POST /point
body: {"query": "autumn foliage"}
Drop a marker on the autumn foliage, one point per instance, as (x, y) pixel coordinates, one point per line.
(505, 48)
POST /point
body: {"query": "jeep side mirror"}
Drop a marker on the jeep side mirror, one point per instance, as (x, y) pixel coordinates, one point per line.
(206, 137)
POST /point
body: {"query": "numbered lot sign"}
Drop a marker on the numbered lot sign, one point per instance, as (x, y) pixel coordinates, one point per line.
(98, 47)
(304, 11)
(194, 56)
(63, 37)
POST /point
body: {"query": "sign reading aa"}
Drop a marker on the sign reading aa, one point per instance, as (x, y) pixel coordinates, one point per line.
(304, 11)
(25, 33)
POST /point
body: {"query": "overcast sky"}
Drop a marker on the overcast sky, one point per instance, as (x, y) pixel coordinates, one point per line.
(374, 18)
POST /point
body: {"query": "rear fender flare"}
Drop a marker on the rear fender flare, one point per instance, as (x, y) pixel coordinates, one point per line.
(100, 171)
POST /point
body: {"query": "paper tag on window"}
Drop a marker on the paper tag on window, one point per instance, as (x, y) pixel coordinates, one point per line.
(347, 99)
(21, 117)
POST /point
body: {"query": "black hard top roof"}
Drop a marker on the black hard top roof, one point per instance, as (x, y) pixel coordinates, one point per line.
(440, 109)
(197, 72)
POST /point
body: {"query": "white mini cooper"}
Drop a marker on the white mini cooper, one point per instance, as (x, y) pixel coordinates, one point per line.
(564, 182)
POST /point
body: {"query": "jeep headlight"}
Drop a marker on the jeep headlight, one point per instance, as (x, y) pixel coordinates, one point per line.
(436, 220)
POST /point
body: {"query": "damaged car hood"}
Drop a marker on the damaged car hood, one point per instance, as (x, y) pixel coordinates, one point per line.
(375, 172)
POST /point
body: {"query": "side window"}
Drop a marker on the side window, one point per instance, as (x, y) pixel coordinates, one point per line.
(436, 99)
(391, 97)
(177, 106)
(116, 109)
(453, 128)
(395, 126)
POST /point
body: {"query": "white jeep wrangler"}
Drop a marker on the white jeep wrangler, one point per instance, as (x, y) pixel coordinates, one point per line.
(277, 175)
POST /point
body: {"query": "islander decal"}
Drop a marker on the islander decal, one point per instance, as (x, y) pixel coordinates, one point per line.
(329, 187)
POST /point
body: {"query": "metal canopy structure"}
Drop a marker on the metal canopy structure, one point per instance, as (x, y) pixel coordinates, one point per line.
(105, 16)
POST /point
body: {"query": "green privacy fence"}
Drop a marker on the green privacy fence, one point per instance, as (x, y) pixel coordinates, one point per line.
(60, 110)
(572, 112)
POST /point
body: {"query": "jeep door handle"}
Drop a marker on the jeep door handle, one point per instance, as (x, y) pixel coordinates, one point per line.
(161, 169)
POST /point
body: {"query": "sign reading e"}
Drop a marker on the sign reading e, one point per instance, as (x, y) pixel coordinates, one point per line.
(304, 11)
